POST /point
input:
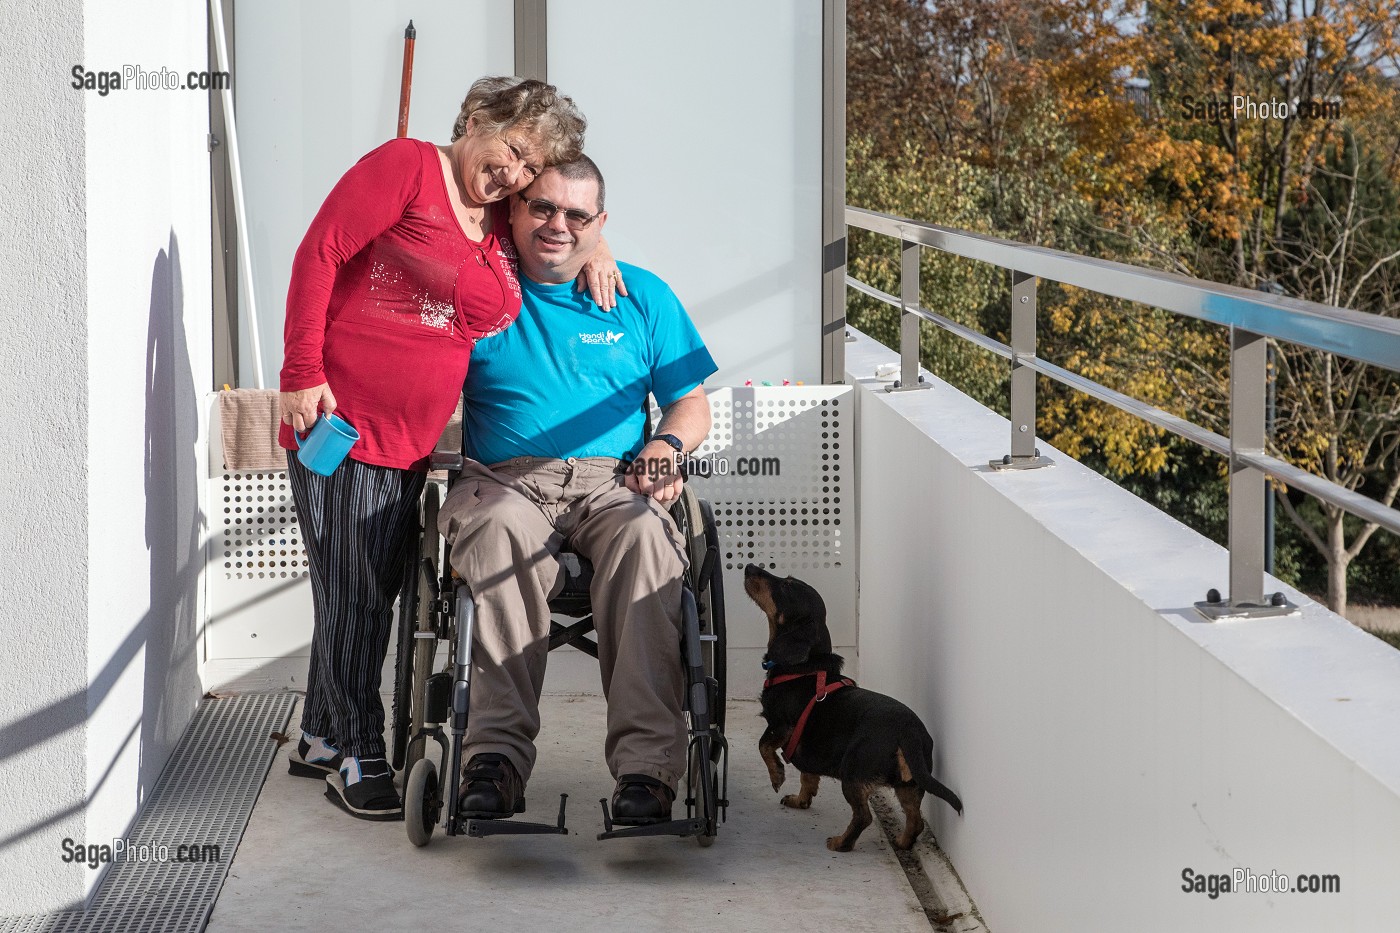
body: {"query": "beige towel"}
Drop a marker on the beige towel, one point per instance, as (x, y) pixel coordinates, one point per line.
(249, 419)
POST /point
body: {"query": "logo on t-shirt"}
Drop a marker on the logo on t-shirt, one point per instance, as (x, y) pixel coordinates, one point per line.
(604, 337)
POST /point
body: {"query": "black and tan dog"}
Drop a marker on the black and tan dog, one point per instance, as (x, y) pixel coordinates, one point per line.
(826, 725)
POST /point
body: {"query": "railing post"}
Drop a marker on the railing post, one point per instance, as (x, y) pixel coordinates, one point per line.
(1249, 367)
(909, 378)
(1024, 455)
(834, 335)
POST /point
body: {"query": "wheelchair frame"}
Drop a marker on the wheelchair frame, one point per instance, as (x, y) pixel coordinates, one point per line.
(436, 605)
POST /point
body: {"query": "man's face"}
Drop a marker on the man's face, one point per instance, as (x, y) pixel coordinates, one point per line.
(550, 251)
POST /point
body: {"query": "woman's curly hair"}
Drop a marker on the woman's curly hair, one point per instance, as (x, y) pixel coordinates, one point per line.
(500, 103)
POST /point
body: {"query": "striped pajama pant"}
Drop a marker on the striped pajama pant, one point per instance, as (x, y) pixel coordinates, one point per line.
(359, 525)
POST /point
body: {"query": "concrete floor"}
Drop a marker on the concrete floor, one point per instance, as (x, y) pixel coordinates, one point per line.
(305, 865)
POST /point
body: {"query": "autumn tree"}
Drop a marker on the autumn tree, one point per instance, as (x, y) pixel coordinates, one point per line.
(1299, 198)
(1063, 123)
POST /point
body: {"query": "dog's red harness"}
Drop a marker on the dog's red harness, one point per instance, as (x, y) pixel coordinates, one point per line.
(824, 690)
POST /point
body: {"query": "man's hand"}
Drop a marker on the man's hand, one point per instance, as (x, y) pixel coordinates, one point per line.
(654, 473)
(299, 408)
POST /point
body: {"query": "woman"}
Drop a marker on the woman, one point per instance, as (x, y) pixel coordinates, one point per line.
(407, 264)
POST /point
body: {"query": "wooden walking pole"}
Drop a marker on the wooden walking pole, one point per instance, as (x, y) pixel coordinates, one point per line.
(406, 82)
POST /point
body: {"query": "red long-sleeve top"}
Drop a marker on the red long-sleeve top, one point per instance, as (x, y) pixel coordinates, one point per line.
(387, 297)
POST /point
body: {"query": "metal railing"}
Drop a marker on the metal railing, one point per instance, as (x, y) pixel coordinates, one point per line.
(1250, 316)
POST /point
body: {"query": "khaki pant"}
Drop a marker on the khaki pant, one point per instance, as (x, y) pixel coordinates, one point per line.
(505, 525)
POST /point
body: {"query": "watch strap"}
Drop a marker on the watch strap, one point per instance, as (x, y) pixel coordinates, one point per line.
(671, 439)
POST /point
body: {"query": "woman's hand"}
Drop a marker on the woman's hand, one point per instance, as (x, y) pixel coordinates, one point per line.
(299, 408)
(602, 278)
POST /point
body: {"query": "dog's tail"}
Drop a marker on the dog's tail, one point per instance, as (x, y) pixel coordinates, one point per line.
(918, 767)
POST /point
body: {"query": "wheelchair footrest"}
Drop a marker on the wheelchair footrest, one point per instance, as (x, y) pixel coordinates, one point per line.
(691, 827)
(479, 828)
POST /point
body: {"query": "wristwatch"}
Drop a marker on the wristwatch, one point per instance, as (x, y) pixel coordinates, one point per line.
(672, 440)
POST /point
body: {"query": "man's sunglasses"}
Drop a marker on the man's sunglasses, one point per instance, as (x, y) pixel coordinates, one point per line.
(540, 209)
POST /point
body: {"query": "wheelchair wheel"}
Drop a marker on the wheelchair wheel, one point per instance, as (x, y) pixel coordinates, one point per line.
(712, 610)
(422, 802)
(413, 663)
(424, 649)
(704, 579)
(696, 520)
(400, 713)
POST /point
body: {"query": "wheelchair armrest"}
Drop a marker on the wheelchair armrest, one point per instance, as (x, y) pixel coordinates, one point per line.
(445, 460)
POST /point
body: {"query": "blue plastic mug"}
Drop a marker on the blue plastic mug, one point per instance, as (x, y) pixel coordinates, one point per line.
(326, 444)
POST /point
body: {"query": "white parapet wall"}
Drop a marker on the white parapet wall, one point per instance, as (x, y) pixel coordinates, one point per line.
(1103, 737)
(105, 201)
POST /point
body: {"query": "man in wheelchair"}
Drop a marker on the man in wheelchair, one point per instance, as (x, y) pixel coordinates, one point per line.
(555, 406)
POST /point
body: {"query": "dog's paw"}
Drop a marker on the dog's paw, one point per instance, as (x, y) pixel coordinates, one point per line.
(796, 802)
(838, 844)
(777, 776)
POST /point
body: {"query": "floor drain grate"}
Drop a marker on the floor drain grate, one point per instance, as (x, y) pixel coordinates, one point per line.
(203, 799)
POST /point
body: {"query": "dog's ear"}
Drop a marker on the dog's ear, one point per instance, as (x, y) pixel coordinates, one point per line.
(793, 642)
(821, 635)
(807, 608)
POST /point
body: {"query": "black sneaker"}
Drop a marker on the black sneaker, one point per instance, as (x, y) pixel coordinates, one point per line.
(364, 788)
(491, 788)
(314, 757)
(640, 800)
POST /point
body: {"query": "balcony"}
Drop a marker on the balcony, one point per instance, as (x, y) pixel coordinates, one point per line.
(1104, 734)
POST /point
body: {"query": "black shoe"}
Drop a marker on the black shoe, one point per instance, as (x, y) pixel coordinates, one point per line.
(364, 788)
(314, 757)
(491, 788)
(640, 800)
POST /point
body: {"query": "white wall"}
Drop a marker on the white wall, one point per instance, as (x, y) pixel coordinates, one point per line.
(706, 122)
(109, 340)
(1101, 735)
(148, 332)
(318, 87)
(43, 453)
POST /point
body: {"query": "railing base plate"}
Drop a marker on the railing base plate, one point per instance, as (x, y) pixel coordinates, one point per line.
(1224, 611)
(899, 386)
(1020, 463)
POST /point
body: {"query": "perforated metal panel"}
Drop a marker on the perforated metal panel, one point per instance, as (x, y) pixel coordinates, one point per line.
(259, 538)
(777, 466)
(259, 593)
(783, 500)
(204, 797)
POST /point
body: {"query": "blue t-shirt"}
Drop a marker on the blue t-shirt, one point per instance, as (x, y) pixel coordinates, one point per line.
(567, 379)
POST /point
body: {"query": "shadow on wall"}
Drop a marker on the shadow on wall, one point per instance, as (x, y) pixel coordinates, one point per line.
(170, 630)
(174, 521)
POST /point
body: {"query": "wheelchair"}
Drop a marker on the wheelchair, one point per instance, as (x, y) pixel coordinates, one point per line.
(435, 605)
